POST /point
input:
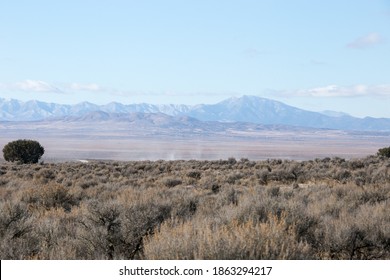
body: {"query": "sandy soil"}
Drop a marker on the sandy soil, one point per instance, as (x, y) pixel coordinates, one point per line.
(102, 145)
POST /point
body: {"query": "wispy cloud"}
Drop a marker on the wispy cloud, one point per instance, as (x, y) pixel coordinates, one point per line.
(85, 87)
(317, 62)
(99, 89)
(33, 86)
(341, 91)
(38, 86)
(253, 52)
(42, 86)
(366, 41)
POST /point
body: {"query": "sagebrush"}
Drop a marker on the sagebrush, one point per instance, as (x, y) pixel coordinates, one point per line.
(328, 208)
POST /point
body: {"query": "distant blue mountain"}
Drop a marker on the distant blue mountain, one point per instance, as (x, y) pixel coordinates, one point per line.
(249, 109)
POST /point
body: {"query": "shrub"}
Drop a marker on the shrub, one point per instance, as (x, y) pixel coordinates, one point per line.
(172, 182)
(16, 226)
(50, 196)
(384, 152)
(249, 240)
(194, 174)
(23, 151)
(114, 231)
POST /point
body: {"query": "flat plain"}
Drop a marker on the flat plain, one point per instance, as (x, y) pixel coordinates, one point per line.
(122, 141)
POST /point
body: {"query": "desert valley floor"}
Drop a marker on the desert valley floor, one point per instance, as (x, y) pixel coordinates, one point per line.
(119, 141)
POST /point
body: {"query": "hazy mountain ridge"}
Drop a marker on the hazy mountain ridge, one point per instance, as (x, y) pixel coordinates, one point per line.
(247, 109)
(15, 110)
(161, 120)
(134, 119)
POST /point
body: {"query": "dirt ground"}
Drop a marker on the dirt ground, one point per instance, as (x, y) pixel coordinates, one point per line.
(107, 146)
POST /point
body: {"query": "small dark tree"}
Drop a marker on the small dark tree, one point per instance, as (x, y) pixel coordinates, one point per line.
(23, 151)
(384, 152)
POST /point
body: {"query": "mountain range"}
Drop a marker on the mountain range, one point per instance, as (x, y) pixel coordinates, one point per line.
(245, 109)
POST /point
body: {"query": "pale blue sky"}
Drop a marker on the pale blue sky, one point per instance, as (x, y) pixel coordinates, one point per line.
(316, 55)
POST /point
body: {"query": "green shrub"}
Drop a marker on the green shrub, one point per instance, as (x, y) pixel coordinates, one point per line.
(384, 152)
(23, 151)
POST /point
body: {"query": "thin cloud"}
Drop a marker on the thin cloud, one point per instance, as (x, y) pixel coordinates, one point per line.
(253, 52)
(367, 41)
(85, 87)
(317, 62)
(34, 86)
(343, 91)
(42, 86)
(336, 91)
(98, 89)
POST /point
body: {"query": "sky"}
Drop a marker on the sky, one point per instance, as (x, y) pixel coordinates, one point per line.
(312, 54)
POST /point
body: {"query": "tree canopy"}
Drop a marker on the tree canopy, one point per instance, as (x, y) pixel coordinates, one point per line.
(23, 151)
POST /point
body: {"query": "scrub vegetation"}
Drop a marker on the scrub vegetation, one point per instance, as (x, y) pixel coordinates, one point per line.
(328, 208)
